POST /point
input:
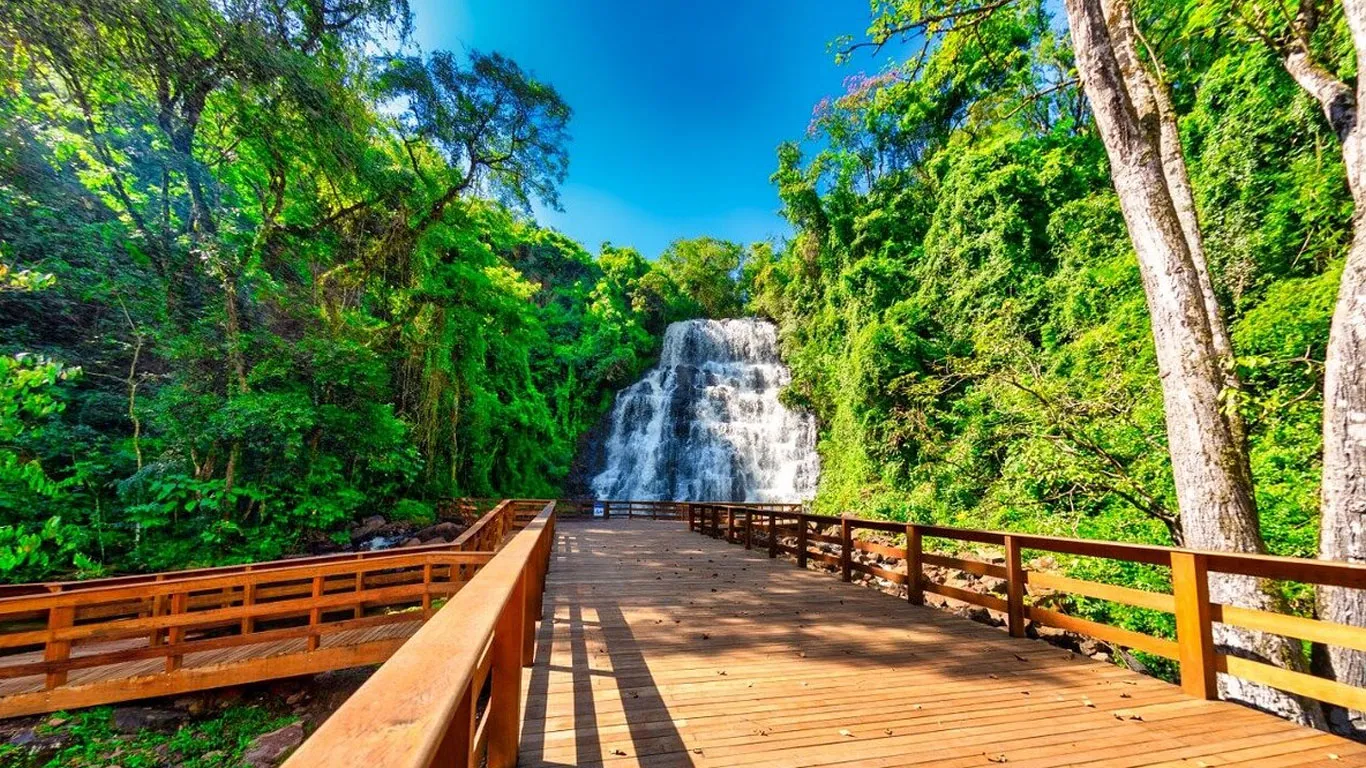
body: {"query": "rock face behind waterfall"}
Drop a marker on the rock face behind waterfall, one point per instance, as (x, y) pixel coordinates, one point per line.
(706, 424)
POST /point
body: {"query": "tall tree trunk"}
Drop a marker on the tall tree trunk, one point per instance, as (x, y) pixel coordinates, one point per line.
(1343, 500)
(1209, 460)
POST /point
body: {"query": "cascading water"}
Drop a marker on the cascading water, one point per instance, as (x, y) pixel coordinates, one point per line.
(706, 424)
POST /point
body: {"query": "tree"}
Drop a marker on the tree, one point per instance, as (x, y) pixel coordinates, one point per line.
(1209, 459)
(706, 270)
(1205, 432)
(1306, 47)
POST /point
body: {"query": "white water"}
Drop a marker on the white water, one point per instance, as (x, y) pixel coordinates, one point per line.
(706, 424)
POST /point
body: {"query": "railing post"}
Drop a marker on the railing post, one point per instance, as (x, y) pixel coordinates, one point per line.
(315, 615)
(772, 535)
(801, 541)
(915, 592)
(1014, 588)
(531, 601)
(359, 610)
(730, 525)
(607, 510)
(1194, 631)
(458, 742)
(58, 650)
(749, 529)
(688, 507)
(846, 544)
(427, 591)
(504, 707)
(248, 600)
(176, 635)
(157, 603)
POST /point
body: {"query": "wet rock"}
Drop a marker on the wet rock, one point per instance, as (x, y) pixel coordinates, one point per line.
(269, 749)
(412, 542)
(24, 738)
(137, 719)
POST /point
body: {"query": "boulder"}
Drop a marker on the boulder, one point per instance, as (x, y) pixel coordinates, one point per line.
(413, 542)
(445, 531)
(137, 719)
(368, 527)
(269, 749)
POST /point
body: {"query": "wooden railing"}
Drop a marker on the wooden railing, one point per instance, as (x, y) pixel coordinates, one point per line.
(77, 644)
(1195, 614)
(451, 696)
(654, 510)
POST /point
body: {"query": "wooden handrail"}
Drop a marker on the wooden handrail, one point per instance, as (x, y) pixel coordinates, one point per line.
(421, 707)
(1189, 600)
(217, 609)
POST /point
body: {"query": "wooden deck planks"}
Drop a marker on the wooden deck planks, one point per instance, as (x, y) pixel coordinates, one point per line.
(666, 648)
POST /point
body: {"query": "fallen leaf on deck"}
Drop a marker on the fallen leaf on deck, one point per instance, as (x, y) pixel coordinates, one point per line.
(846, 732)
(996, 758)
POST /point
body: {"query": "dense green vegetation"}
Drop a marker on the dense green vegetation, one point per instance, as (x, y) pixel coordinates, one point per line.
(257, 280)
(961, 304)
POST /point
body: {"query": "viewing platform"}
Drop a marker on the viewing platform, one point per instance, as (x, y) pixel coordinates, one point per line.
(662, 648)
(683, 635)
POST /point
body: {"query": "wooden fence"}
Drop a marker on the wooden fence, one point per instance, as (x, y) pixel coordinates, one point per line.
(451, 696)
(74, 644)
(1189, 601)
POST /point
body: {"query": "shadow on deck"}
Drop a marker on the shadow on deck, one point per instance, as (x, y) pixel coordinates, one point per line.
(664, 648)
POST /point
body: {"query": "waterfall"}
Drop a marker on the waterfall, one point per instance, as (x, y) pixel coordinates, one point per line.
(706, 424)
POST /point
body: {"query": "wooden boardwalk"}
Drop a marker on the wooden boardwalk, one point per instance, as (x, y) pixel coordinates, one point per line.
(369, 645)
(666, 648)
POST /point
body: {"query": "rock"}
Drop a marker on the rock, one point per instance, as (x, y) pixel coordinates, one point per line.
(226, 697)
(445, 531)
(295, 698)
(368, 527)
(413, 542)
(269, 749)
(210, 756)
(194, 705)
(133, 720)
(24, 738)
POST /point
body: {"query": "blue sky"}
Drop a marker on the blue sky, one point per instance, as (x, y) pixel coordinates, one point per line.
(678, 106)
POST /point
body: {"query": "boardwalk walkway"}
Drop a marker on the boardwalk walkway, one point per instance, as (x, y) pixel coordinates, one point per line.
(670, 649)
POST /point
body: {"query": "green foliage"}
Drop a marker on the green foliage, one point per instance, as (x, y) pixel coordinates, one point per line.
(295, 268)
(962, 310)
(216, 741)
